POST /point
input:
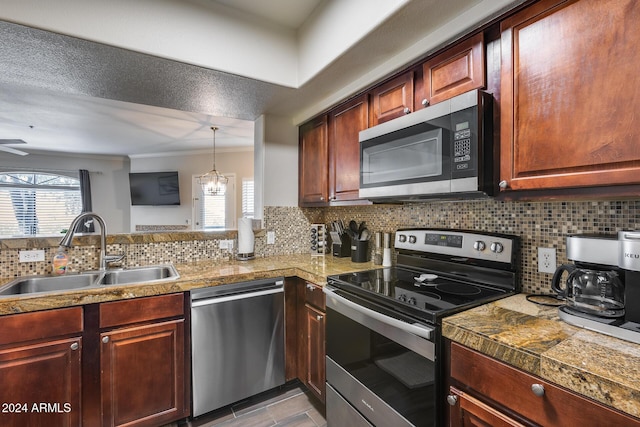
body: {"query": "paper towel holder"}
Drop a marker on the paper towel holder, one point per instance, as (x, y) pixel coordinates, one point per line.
(245, 240)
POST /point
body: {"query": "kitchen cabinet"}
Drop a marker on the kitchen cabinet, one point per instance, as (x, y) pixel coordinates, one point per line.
(313, 163)
(484, 391)
(40, 367)
(457, 70)
(392, 99)
(311, 338)
(142, 350)
(345, 123)
(568, 104)
(134, 368)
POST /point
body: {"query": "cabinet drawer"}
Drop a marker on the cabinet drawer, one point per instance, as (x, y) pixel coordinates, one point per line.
(512, 389)
(40, 324)
(314, 296)
(139, 310)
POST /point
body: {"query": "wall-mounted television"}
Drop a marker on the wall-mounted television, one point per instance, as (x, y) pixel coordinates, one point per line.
(154, 188)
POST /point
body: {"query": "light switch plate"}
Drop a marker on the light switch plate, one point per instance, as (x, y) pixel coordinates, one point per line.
(547, 260)
(31, 256)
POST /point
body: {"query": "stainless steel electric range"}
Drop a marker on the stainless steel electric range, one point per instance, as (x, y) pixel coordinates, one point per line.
(383, 326)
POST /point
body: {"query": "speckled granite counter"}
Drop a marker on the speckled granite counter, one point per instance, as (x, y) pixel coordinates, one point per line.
(532, 337)
(196, 275)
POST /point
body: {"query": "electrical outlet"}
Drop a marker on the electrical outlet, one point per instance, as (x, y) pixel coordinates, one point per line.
(31, 256)
(271, 237)
(230, 244)
(224, 244)
(547, 260)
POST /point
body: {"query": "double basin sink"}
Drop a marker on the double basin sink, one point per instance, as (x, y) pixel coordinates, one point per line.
(89, 280)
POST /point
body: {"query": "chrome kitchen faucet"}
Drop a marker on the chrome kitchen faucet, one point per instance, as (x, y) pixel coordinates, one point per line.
(104, 259)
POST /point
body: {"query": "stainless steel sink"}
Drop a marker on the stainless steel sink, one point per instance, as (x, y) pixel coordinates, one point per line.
(35, 284)
(139, 275)
(91, 279)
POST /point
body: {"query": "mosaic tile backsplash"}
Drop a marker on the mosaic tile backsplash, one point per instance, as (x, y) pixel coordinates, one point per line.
(539, 224)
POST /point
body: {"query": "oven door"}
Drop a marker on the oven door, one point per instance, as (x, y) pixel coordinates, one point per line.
(383, 364)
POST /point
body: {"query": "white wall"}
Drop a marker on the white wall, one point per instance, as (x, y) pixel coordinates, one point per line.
(109, 177)
(187, 165)
(280, 161)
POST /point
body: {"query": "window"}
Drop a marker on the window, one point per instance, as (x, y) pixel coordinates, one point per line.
(214, 212)
(34, 203)
(247, 198)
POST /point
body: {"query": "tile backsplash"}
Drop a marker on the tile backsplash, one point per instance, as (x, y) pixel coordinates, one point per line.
(539, 224)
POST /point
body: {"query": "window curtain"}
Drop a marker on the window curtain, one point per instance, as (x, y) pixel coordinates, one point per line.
(85, 195)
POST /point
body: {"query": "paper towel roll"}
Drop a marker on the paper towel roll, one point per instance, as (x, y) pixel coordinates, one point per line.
(245, 236)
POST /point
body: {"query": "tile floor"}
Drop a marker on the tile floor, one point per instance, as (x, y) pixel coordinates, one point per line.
(290, 405)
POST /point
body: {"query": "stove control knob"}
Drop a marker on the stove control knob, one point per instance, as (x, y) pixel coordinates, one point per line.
(412, 301)
(413, 239)
(479, 245)
(402, 238)
(497, 247)
(402, 297)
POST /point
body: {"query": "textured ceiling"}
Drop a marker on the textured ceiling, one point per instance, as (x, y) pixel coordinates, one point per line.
(73, 91)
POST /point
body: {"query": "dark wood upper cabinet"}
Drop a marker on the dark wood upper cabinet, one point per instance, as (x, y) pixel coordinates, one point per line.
(457, 70)
(392, 99)
(569, 95)
(313, 163)
(345, 123)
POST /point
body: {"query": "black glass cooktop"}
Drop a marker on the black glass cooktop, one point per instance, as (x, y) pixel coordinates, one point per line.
(422, 291)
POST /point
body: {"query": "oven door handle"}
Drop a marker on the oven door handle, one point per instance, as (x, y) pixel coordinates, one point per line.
(415, 328)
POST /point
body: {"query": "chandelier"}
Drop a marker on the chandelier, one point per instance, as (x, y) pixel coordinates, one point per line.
(213, 182)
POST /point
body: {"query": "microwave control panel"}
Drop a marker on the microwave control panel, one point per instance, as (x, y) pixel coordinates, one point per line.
(462, 147)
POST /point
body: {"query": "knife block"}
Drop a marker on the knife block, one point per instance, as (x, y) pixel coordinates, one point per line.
(342, 248)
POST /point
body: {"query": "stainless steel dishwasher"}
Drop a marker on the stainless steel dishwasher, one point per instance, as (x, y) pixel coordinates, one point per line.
(237, 342)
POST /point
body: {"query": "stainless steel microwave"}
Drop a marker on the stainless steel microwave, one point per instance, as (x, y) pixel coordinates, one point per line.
(442, 151)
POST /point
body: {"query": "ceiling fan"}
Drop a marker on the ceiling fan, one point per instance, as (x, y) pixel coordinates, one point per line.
(5, 142)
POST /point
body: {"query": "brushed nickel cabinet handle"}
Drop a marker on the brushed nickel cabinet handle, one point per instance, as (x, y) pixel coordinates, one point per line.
(452, 399)
(75, 346)
(425, 102)
(503, 184)
(407, 110)
(537, 389)
(105, 339)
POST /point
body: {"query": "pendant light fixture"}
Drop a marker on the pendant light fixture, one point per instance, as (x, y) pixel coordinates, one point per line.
(213, 182)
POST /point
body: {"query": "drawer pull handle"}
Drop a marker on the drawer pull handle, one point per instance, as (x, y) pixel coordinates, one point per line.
(310, 286)
(105, 339)
(75, 346)
(537, 389)
(452, 400)
(319, 318)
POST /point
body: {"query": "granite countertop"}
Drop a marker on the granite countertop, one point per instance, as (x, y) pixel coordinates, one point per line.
(192, 276)
(532, 338)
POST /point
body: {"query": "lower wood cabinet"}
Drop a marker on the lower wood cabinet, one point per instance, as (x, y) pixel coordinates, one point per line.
(486, 392)
(142, 374)
(305, 303)
(135, 371)
(40, 368)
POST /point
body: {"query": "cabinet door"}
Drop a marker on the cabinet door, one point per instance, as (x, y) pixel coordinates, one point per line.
(41, 384)
(345, 122)
(315, 351)
(313, 172)
(455, 71)
(470, 412)
(392, 99)
(569, 103)
(142, 374)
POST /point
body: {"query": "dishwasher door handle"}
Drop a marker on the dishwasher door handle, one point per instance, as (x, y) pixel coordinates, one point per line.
(227, 298)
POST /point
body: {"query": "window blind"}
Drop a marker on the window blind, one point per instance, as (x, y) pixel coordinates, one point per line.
(37, 203)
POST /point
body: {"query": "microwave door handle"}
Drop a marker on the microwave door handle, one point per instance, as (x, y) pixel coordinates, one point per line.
(416, 329)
